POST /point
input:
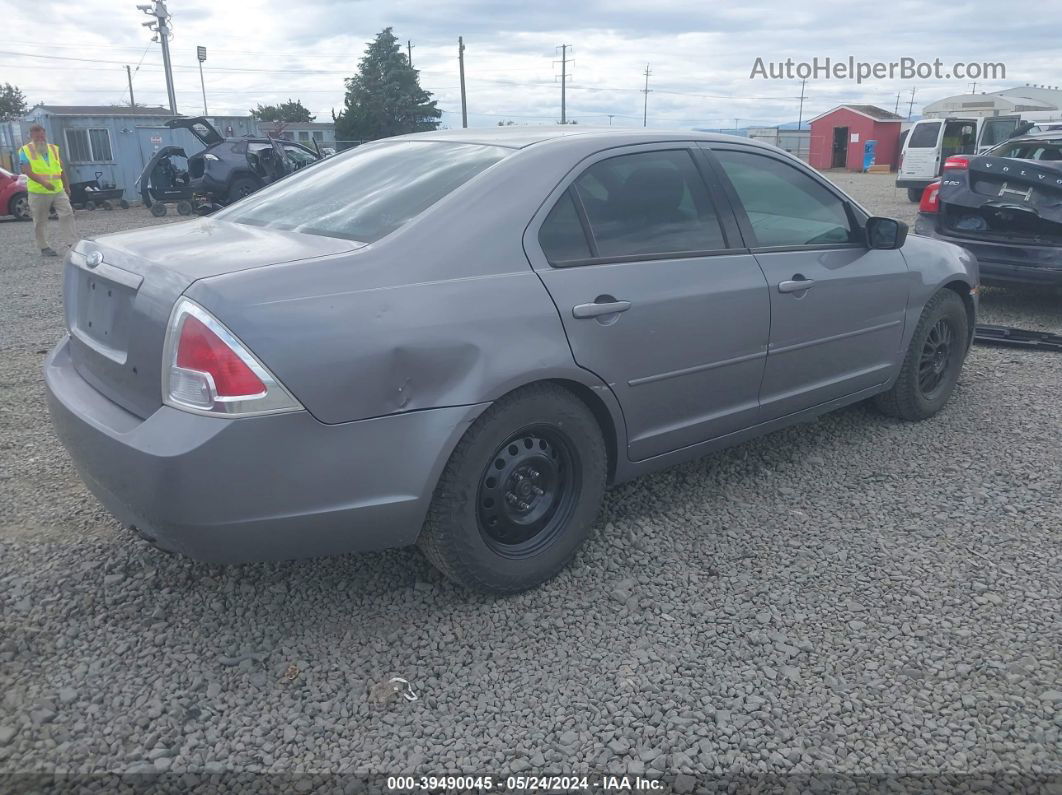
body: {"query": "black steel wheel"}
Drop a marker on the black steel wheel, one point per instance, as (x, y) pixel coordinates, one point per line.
(527, 491)
(519, 492)
(158, 209)
(89, 205)
(184, 208)
(933, 361)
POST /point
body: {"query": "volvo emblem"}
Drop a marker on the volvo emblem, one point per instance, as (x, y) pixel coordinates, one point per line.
(94, 259)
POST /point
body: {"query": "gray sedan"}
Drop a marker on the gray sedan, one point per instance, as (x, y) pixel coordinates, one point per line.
(460, 339)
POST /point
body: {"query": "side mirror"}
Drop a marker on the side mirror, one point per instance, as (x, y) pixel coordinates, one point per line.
(885, 233)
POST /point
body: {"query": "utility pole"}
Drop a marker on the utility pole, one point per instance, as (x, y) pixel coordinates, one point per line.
(409, 49)
(564, 82)
(910, 107)
(200, 53)
(129, 74)
(974, 89)
(645, 99)
(800, 116)
(461, 64)
(896, 110)
(160, 26)
(610, 119)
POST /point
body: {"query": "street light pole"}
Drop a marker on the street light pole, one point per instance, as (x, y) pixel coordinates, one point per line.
(200, 53)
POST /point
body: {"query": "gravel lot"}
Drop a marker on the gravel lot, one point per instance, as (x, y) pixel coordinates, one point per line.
(856, 595)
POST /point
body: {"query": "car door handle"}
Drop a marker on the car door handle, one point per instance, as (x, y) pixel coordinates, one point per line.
(795, 285)
(597, 310)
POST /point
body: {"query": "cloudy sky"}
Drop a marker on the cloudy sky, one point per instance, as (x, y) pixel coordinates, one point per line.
(700, 54)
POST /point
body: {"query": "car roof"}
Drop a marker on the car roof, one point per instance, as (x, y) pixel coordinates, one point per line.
(517, 137)
(1048, 136)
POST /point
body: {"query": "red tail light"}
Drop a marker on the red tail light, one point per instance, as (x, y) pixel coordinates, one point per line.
(200, 349)
(958, 162)
(207, 370)
(930, 199)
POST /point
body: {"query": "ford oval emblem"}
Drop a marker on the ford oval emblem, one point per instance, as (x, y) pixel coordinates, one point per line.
(94, 259)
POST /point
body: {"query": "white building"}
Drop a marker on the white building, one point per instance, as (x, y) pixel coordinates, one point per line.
(1030, 102)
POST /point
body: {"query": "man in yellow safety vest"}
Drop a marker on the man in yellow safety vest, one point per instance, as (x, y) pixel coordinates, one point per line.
(47, 187)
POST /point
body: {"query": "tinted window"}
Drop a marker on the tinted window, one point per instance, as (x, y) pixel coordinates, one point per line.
(365, 193)
(300, 157)
(561, 236)
(924, 135)
(649, 203)
(1029, 151)
(785, 206)
(997, 130)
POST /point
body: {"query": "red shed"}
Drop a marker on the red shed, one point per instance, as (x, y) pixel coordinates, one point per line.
(838, 137)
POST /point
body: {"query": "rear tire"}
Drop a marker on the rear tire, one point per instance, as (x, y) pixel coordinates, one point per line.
(933, 362)
(240, 187)
(519, 493)
(158, 209)
(914, 194)
(123, 204)
(89, 205)
(184, 208)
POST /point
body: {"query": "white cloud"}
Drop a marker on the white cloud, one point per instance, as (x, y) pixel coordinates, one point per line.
(700, 55)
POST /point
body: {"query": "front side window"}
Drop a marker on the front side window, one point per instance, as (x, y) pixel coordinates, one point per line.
(365, 193)
(785, 206)
(300, 157)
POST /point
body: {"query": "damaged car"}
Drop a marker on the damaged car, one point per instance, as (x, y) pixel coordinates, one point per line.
(225, 170)
(1005, 207)
(458, 339)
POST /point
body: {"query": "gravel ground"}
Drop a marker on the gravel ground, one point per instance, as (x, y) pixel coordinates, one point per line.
(854, 596)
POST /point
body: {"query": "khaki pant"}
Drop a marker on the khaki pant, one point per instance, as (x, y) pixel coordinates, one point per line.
(40, 204)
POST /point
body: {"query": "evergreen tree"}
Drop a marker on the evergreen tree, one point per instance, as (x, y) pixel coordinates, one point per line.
(385, 97)
(13, 103)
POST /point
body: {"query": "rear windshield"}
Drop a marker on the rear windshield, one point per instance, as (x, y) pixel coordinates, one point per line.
(924, 135)
(1029, 150)
(367, 193)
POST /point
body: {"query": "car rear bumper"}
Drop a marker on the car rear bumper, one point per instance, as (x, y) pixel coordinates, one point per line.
(272, 487)
(1002, 263)
(914, 182)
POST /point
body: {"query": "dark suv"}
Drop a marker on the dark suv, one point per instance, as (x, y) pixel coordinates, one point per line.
(1005, 207)
(227, 169)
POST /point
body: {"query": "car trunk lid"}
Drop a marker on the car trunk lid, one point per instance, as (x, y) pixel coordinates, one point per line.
(1001, 198)
(119, 291)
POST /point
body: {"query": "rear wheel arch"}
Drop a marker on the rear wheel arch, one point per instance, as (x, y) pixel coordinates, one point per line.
(605, 421)
(962, 289)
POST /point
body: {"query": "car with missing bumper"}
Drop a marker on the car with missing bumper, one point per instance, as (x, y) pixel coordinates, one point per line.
(225, 170)
(459, 339)
(1005, 207)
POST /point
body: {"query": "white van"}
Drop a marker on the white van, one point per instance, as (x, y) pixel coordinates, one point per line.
(932, 141)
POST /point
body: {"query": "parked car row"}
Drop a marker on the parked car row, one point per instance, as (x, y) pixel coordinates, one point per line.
(1004, 206)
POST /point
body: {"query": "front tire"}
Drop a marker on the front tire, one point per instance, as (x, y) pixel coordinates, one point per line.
(519, 493)
(240, 187)
(933, 362)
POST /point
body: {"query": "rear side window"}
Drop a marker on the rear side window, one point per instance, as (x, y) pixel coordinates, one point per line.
(785, 206)
(648, 204)
(924, 135)
(366, 193)
(561, 236)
